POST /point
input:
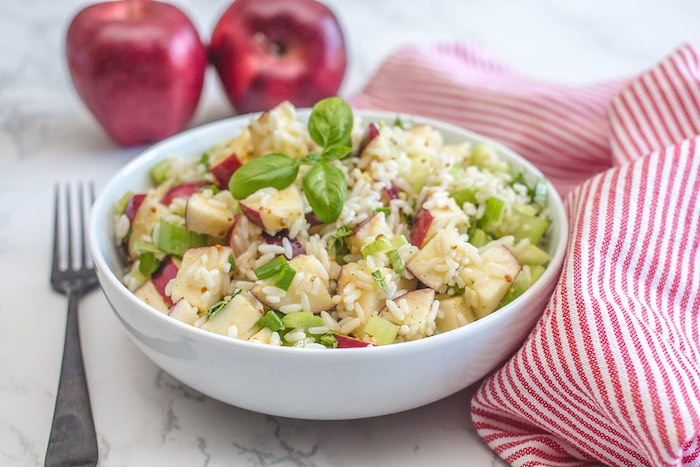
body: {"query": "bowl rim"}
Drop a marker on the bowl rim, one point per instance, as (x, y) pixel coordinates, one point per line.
(104, 203)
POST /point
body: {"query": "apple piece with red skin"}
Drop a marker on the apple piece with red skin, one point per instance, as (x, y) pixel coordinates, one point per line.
(138, 66)
(313, 220)
(368, 230)
(371, 133)
(421, 227)
(183, 190)
(278, 239)
(346, 342)
(225, 169)
(420, 303)
(166, 272)
(150, 296)
(389, 194)
(266, 52)
(133, 205)
(204, 217)
(430, 221)
(284, 208)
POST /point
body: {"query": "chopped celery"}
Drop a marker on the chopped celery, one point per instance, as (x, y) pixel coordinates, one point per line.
(140, 247)
(379, 280)
(540, 193)
(148, 263)
(159, 172)
(527, 226)
(530, 254)
(479, 238)
(383, 331)
(493, 215)
(466, 195)
(486, 157)
(379, 245)
(396, 261)
(301, 320)
(121, 204)
(176, 240)
(272, 321)
(285, 278)
(522, 282)
(398, 242)
(526, 209)
(418, 175)
(536, 272)
(328, 340)
(272, 268)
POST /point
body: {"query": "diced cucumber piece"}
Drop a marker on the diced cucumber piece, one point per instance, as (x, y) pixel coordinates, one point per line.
(383, 331)
(536, 272)
(121, 204)
(176, 240)
(540, 193)
(479, 238)
(272, 321)
(526, 209)
(380, 245)
(522, 282)
(328, 340)
(493, 215)
(530, 254)
(301, 320)
(464, 195)
(486, 157)
(159, 172)
(527, 226)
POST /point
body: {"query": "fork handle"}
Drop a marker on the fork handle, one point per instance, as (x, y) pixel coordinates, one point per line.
(72, 440)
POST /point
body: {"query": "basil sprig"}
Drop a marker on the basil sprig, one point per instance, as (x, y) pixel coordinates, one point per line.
(330, 125)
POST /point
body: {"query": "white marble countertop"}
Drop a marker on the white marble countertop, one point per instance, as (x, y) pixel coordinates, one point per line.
(145, 417)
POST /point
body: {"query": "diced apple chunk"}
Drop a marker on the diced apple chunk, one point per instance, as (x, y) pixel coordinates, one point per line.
(243, 311)
(454, 312)
(371, 299)
(224, 169)
(430, 221)
(280, 212)
(367, 231)
(183, 311)
(412, 309)
(145, 220)
(203, 278)
(262, 336)
(489, 281)
(433, 264)
(150, 295)
(207, 217)
(311, 280)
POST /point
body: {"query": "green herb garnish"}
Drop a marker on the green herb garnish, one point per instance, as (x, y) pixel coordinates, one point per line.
(232, 262)
(148, 263)
(328, 340)
(216, 308)
(330, 125)
(379, 280)
(159, 172)
(121, 204)
(385, 210)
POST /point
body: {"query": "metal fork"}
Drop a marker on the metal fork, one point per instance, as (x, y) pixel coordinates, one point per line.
(72, 440)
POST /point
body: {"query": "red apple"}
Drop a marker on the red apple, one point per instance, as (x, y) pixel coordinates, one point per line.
(167, 271)
(183, 190)
(225, 169)
(133, 205)
(270, 51)
(138, 66)
(371, 133)
(345, 342)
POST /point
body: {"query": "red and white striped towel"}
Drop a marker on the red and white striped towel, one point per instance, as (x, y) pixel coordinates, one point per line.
(611, 372)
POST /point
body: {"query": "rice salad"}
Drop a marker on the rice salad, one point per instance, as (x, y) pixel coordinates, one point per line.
(333, 234)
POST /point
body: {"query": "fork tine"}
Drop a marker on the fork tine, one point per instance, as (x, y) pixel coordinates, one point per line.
(81, 207)
(55, 258)
(69, 228)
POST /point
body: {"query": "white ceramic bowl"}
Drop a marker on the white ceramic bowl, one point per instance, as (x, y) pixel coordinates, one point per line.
(307, 383)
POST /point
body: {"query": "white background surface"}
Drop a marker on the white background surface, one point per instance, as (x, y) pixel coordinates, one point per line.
(145, 417)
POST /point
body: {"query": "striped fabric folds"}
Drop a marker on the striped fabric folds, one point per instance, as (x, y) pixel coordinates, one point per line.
(611, 373)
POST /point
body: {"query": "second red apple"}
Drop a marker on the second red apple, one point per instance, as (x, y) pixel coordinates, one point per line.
(269, 51)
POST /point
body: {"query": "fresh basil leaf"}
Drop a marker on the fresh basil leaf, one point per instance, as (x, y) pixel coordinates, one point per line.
(310, 159)
(331, 122)
(272, 170)
(324, 186)
(332, 153)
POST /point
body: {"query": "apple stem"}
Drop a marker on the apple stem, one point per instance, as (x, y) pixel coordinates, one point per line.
(135, 8)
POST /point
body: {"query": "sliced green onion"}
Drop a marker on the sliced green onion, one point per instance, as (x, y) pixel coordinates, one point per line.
(397, 242)
(344, 231)
(396, 261)
(285, 278)
(272, 321)
(121, 204)
(398, 123)
(328, 340)
(493, 214)
(148, 263)
(379, 245)
(217, 307)
(204, 160)
(232, 262)
(383, 330)
(141, 247)
(379, 280)
(271, 269)
(176, 240)
(385, 210)
(159, 172)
